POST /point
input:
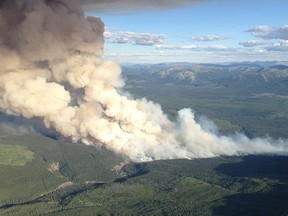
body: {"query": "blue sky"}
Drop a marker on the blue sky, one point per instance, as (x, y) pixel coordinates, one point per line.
(205, 31)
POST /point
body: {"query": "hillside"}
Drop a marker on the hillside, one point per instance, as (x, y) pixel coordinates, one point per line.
(47, 164)
(254, 185)
(247, 74)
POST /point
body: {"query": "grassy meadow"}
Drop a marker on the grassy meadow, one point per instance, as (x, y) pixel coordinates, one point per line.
(15, 155)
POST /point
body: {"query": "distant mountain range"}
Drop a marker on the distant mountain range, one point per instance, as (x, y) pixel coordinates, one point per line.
(250, 73)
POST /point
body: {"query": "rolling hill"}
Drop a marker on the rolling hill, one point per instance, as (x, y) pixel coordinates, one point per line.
(223, 75)
(86, 185)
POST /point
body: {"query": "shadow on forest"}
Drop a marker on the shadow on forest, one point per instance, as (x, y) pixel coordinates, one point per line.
(272, 202)
(272, 167)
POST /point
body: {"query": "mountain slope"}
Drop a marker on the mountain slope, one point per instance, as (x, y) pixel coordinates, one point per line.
(208, 74)
(54, 163)
(215, 186)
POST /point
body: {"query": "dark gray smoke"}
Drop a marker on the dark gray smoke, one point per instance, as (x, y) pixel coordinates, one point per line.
(110, 5)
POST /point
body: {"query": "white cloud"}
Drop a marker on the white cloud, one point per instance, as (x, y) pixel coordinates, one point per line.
(207, 38)
(252, 43)
(267, 32)
(282, 46)
(108, 34)
(192, 53)
(193, 47)
(143, 39)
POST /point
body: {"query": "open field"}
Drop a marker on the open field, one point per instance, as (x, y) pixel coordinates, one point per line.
(15, 155)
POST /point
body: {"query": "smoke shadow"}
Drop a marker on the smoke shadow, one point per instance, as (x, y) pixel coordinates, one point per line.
(16, 125)
(274, 201)
(254, 204)
(257, 166)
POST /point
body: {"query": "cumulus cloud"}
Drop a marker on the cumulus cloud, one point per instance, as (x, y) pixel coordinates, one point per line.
(207, 38)
(143, 39)
(108, 33)
(282, 46)
(252, 43)
(272, 34)
(193, 47)
(267, 32)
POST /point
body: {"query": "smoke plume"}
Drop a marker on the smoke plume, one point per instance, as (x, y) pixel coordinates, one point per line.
(51, 68)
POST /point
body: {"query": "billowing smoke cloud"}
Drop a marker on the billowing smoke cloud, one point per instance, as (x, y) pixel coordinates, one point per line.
(51, 69)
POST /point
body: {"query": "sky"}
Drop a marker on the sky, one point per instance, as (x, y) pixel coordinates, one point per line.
(206, 31)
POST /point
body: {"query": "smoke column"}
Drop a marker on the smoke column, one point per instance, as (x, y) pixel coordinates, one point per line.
(51, 68)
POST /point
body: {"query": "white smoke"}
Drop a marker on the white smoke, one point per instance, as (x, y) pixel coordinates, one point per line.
(51, 68)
